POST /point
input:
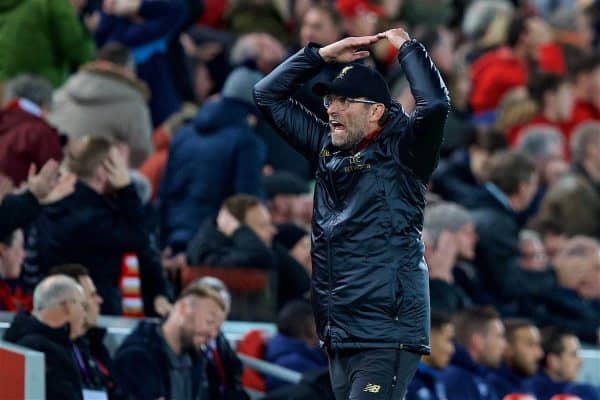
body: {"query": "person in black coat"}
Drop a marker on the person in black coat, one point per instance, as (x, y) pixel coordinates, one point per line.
(460, 178)
(57, 319)
(243, 237)
(372, 163)
(96, 226)
(511, 187)
(91, 354)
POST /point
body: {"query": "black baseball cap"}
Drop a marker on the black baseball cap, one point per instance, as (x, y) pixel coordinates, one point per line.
(356, 80)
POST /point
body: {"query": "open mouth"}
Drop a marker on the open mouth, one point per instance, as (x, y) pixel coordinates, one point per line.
(336, 126)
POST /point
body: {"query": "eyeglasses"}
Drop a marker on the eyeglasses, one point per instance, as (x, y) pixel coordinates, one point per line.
(343, 101)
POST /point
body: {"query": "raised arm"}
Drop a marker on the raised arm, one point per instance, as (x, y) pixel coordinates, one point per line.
(432, 103)
(294, 123)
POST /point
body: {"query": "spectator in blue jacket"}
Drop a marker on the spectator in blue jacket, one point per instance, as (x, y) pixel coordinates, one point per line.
(480, 343)
(296, 345)
(214, 157)
(426, 384)
(146, 26)
(560, 367)
(521, 358)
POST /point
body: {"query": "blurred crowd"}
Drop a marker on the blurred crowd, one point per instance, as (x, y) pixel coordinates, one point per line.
(134, 161)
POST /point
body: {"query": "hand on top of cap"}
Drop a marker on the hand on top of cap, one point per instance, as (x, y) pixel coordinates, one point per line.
(347, 50)
(396, 37)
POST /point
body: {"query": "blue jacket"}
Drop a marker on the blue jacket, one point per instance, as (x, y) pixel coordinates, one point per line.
(141, 365)
(148, 41)
(505, 381)
(465, 380)
(294, 354)
(426, 385)
(545, 387)
(215, 156)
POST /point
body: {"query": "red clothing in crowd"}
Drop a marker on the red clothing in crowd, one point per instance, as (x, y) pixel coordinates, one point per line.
(498, 71)
(13, 298)
(582, 112)
(494, 74)
(25, 138)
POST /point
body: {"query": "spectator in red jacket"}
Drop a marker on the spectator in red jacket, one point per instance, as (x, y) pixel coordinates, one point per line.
(498, 71)
(25, 136)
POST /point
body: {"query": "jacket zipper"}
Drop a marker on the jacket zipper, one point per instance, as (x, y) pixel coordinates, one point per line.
(329, 294)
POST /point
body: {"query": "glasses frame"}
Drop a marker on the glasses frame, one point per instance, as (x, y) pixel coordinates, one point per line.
(345, 103)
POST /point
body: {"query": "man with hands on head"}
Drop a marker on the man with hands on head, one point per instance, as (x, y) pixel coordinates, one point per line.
(372, 163)
(97, 225)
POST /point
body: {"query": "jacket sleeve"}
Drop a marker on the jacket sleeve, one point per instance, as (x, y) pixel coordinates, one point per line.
(426, 123)
(136, 126)
(17, 211)
(248, 166)
(73, 44)
(139, 375)
(298, 126)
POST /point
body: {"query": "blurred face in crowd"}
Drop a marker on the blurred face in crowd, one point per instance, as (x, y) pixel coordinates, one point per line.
(364, 23)
(75, 313)
(493, 344)
(560, 103)
(466, 238)
(443, 51)
(200, 317)
(203, 83)
(554, 169)
(595, 87)
(301, 252)
(553, 243)
(527, 191)
(566, 366)
(589, 286)
(271, 53)
(12, 256)
(533, 255)
(525, 351)
(318, 27)
(259, 220)
(92, 299)
(442, 347)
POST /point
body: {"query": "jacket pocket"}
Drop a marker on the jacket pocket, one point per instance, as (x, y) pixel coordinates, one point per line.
(397, 293)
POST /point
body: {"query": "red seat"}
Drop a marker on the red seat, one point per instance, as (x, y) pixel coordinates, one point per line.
(565, 397)
(254, 345)
(518, 396)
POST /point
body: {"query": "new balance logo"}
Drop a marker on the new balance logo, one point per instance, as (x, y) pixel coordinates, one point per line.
(372, 388)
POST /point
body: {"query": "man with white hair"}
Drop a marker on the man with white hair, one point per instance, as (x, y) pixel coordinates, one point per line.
(585, 152)
(450, 237)
(57, 319)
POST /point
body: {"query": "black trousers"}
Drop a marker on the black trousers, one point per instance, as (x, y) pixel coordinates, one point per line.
(377, 374)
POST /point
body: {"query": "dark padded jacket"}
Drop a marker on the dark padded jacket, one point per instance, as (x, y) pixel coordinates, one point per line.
(370, 280)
